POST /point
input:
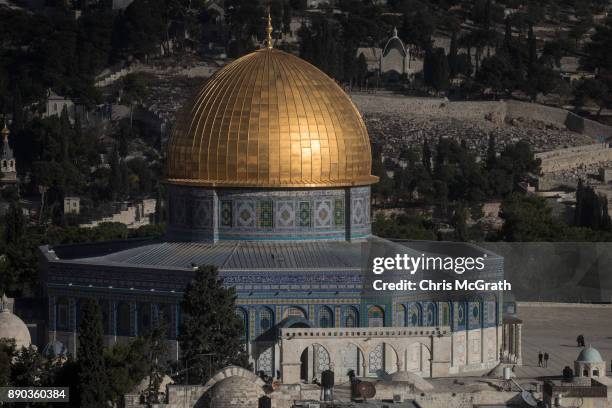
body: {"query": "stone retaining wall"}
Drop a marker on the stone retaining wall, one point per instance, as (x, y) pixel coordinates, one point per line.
(495, 111)
(563, 159)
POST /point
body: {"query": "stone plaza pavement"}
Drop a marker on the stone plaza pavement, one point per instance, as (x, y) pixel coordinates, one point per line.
(553, 328)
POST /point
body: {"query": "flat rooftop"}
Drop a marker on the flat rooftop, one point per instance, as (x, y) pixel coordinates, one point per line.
(553, 328)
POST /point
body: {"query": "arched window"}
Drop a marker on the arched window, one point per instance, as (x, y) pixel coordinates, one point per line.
(294, 312)
(80, 305)
(123, 319)
(351, 317)
(376, 317)
(4, 164)
(400, 315)
(164, 313)
(325, 317)
(429, 317)
(241, 314)
(444, 314)
(266, 320)
(144, 318)
(62, 315)
(414, 315)
(105, 316)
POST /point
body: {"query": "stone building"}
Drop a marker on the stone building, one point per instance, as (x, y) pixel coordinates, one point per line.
(589, 364)
(55, 104)
(588, 388)
(11, 326)
(393, 58)
(8, 164)
(268, 179)
(72, 205)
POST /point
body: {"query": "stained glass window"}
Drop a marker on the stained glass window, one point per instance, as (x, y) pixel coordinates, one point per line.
(400, 315)
(266, 319)
(295, 312)
(226, 213)
(414, 315)
(265, 214)
(351, 317)
(305, 215)
(325, 317)
(376, 317)
(338, 212)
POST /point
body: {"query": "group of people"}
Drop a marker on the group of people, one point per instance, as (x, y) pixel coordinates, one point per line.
(543, 359)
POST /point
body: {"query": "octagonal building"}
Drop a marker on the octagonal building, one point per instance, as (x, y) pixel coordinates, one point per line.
(268, 179)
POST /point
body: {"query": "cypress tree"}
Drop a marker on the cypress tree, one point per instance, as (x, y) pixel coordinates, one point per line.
(452, 56)
(114, 182)
(491, 155)
(508, 35)
(210, 326)
(14, 223)
(124, 192)
(93, 382)
(426, 156)
(65, 135)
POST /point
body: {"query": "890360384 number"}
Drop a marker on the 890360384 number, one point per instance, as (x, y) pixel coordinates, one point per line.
(34, 394)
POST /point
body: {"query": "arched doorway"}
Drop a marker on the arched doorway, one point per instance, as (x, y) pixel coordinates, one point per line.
(313, 361)
(418, 358)
(382, 360)
(352, 360)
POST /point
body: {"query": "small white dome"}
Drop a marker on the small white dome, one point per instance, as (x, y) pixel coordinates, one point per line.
(236, 392)
(589, 355)
(12, 327)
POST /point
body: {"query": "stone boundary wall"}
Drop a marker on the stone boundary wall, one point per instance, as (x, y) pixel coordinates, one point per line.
(495, 111)
(571, 305)
(563, 159)
(571, 150)
(557, 116)
(552, 182)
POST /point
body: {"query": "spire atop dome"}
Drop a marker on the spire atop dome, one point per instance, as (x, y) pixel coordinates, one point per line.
(5, 305)
(395, 32)
(269, 30)
(5, 133)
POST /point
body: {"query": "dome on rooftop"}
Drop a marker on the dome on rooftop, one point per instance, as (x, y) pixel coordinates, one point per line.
(270, 119)
(12, 327)
(589, 355)
(236, 391)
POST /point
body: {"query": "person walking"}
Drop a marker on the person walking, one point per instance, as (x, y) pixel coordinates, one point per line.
(546, 359)
(540, 356)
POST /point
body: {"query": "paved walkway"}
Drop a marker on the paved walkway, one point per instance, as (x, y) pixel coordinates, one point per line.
(554, 330)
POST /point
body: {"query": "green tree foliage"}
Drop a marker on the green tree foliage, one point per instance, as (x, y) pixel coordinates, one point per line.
(141, 29)
(129, 363)
(321, 45)
(40, 52)
(210, 325)
(528, 218)
(591, 209)
(14, 223)
(93, 387)
(403, 226)
(246, 21)
(594, 90)
(435, 70)
(7, 354)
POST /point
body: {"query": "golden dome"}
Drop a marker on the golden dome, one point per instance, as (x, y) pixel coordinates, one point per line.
(270, 119)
